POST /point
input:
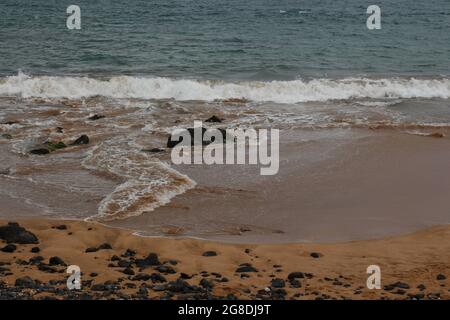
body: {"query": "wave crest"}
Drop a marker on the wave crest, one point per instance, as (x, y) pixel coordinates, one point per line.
(124, 87)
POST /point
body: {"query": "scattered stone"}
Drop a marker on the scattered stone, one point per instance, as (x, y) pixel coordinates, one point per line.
(246, 268)
(56, 261)
(36, 260)
(296, 275)
(53, 145)
(129, 253)
(96, 117)
(416, 296)
(84, 139)
(277, 283)
(172, 143)
(93, 274)
(441, 277)
(421, 287)
(40, 151)
(13, 233)
(7, 136)
(115, 258)
(185, 276)
(128, 271)
(46, 268)
(61, 227)
(91, 249)
(99, 287)
(35, 250)
(209, 254)
(10, 248)
(165, 269)
(315, 255)
(150, 260)
(399, 285)
(214, 119)
(295, 283)
(154, 150)
(104, 246)
(206, 284)
(124, 263)
(9, 123)
(25, 282)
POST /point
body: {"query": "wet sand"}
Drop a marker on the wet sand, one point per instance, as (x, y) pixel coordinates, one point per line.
(413, 266)
(333, 185)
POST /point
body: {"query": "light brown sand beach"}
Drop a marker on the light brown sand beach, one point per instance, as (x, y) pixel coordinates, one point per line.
(412, 266)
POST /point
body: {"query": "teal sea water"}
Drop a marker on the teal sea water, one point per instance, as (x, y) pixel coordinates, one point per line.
(231, 40)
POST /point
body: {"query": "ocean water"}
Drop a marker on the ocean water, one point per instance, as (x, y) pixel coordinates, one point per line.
(150, 67)
(227, 40)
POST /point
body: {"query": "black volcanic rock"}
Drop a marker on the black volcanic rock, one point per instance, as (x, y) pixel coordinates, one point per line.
(246, 267)
(277, 283)
(209, 254)
(150, 260)
(25, 282)
(96, 117)
(9, 248)
(441, 277)
(214, 119)
(13, 233)
(40, 151)
(296, 275)
(84, 139)
(172, 143)
(56, 261)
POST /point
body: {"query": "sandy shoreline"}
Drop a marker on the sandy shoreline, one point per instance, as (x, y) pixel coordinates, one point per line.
(419, 261)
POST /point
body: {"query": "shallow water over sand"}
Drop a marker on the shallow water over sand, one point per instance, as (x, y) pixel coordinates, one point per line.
(349, 169)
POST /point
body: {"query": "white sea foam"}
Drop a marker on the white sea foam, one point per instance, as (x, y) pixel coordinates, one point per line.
(179, 89)
(149, 183)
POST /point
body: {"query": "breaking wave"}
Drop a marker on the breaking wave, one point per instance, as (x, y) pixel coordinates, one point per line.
(123, 87)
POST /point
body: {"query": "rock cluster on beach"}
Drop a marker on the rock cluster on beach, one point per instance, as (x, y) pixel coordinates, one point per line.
(27, 272)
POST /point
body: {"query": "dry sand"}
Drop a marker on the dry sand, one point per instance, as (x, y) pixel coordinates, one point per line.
(339, 271)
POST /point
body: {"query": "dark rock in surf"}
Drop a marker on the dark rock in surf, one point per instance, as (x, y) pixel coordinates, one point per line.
(40, 151)
(214, 119)
(53, 145)
(172, 143)
(154, 150)
(96, 117)
(84, 139)
(13, 233)
(9, 123)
